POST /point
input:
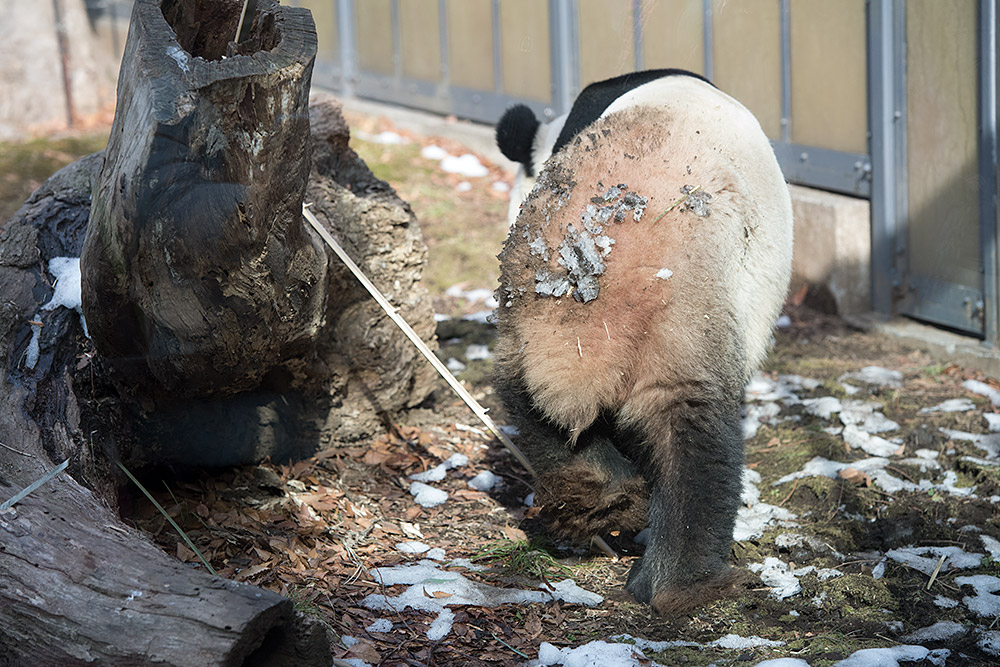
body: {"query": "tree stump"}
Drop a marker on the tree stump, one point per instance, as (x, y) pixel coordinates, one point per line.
(77, 585)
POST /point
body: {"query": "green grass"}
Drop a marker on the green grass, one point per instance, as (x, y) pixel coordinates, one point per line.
(25, 165)
(522, 558)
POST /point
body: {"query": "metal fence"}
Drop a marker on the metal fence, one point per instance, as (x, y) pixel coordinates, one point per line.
(893, 101)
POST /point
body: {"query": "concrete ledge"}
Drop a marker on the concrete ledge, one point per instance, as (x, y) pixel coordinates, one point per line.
(945, 346)
(833, 247)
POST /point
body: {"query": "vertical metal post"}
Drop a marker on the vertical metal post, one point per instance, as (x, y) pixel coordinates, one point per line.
(786, 71)
(397, 44)
(637, 34)
(706, 11)
(565, 54)
(885, 118)
(444, 74)
(345, 34)
(988, 222)
(497, 47)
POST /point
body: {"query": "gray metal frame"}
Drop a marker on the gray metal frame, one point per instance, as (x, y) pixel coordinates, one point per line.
(878, 175)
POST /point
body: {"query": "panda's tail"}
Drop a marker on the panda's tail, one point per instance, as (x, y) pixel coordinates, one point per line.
(516, 132)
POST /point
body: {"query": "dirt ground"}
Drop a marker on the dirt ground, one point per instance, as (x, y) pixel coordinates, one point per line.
(836, 563)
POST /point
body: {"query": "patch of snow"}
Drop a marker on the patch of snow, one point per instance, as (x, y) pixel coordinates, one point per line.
(783, 662)
(876, 375)
(467, 165)
(988, 442)
(951, 405)
(464, 186)
(432, 589)
(454, 365)
(879, 570)
(484, 481)
(866, 416)
(179, 56)
(529, 500)
(992, 546)
(477, 352)
(985, 601)
(945, 603)
(763, 388)
(992, 421)
(33, 350)
(437, 553)
(823, 407)
(754, 517)
(983, 389)
(481, 316)
(664, 274)
(940, 631)
(67, 292)
(412, 547)
(925, 559)
(755, 414)
(500, 186)
(388, 138)
(892, 656)
(381, 625)
(441, 317)
(779, 577)
(783, 322)
(427, 496)
(741, 643)
(868, 443)
(989, 642)
(433, 152)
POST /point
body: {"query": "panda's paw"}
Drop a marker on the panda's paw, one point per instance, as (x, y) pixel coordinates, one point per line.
(684, 599)
(668, 596)
(640, 583)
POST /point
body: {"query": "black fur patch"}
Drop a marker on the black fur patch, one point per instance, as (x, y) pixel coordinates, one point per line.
(598, 96)
(516, 132)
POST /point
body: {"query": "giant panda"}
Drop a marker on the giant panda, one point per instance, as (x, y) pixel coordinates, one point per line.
(639, 289)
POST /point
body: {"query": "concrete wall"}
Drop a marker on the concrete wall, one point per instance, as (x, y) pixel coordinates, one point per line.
(833, 247)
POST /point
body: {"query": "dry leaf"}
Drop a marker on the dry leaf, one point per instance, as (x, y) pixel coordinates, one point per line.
(513, 533)
(855, 476)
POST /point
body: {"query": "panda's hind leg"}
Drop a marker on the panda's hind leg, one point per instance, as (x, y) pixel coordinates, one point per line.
(695, 449)
(586, 485)
(597, 489)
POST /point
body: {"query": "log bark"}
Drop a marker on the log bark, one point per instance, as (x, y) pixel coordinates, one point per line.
(197, 271)
(77, 585)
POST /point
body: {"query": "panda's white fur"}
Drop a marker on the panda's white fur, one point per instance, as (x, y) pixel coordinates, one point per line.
(639, 289)
(542, 145)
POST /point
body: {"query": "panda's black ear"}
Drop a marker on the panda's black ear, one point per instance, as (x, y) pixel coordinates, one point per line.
(516, 134)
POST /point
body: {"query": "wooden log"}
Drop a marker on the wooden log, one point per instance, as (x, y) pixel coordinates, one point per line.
(78, 586)
(198, 276)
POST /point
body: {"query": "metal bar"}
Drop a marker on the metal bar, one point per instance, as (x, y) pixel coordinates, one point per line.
(23, 493)
(637, 34)
(444, 74)
(348, 57)
(397, 44)
(564, 54)
(786, 71)
(988, 168)
(497, 47)
(882, 117)
(706, 11)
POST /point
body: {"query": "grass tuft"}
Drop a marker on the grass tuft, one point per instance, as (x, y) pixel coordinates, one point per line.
(521, 557)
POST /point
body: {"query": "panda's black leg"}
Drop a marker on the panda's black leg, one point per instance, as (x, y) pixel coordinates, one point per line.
(696, 447)
(586, 486)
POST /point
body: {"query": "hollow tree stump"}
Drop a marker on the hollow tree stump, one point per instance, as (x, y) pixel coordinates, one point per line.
(197, 270)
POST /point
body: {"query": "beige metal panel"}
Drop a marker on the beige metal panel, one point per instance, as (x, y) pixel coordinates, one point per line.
(607, 42)
(829, 81)
(373, 35)
(746, 56)
(673, 34)
(524, 48)
(470, 44)
(420, 39)
(324, 14)
(941, 151)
